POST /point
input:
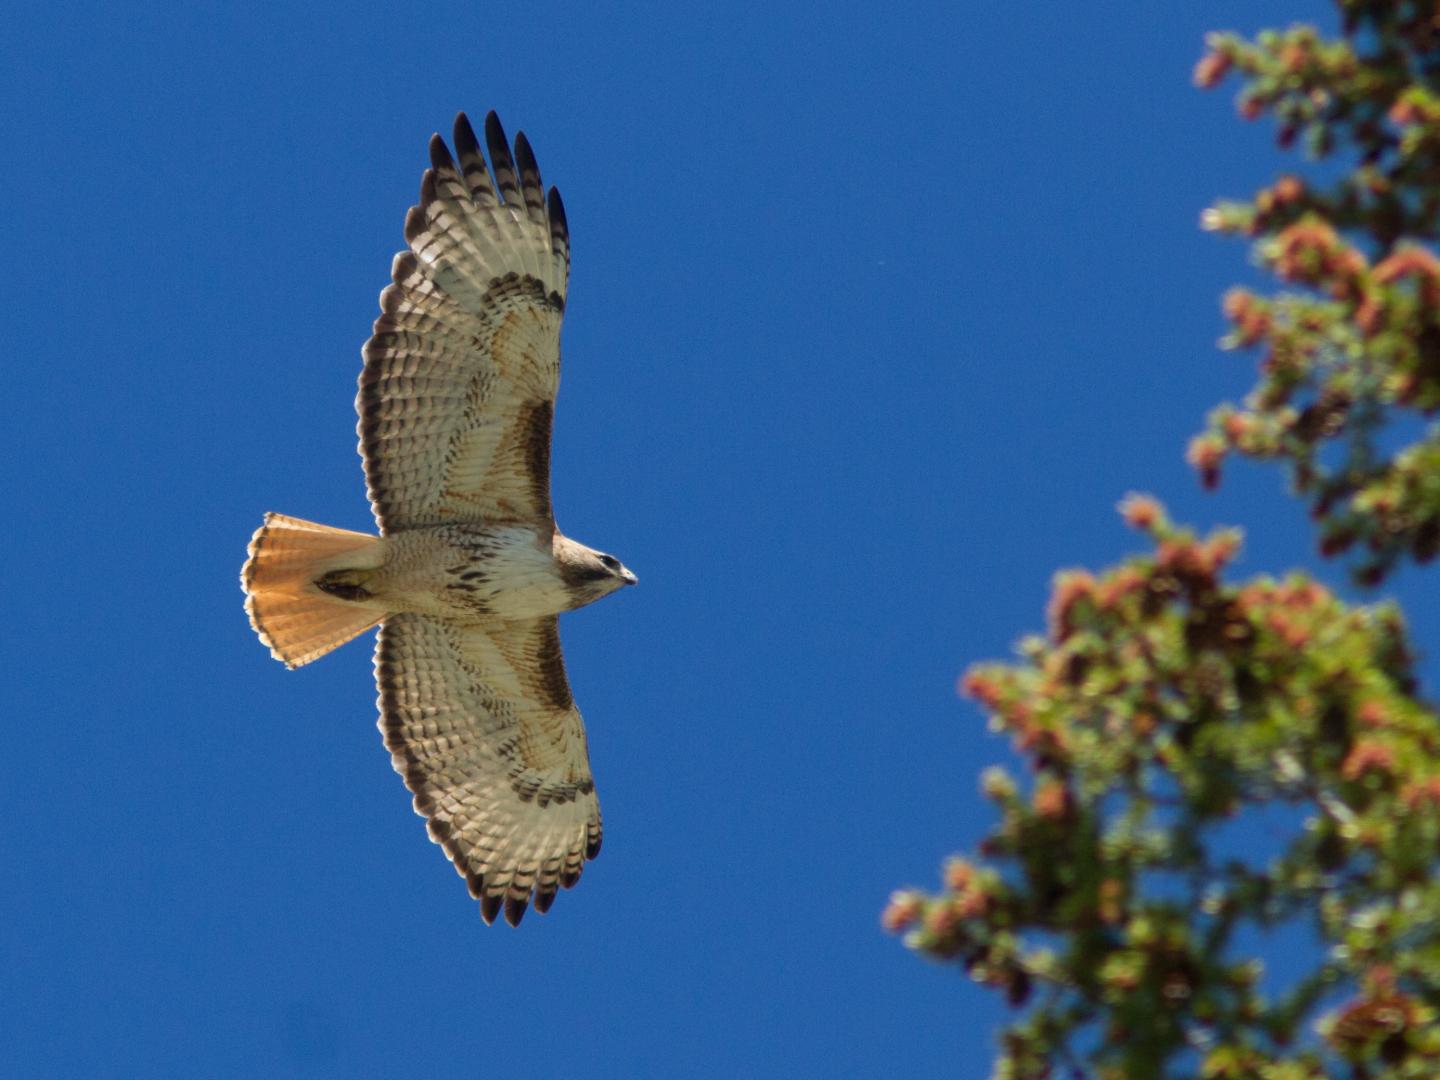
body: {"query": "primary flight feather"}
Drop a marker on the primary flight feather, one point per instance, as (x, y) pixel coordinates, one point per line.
(469, 572)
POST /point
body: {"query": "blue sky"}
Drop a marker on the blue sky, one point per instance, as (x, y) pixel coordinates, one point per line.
(876, 311)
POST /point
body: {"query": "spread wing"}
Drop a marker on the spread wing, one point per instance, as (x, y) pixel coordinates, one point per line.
(458, 389)
(480, 723)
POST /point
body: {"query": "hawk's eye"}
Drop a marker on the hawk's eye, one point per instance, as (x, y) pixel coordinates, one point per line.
(609, 562)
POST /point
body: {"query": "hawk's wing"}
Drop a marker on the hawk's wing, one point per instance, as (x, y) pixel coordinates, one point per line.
(460, 376)
(480, 723)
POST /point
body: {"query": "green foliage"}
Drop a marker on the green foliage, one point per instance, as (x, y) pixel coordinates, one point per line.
(1163, 706)
(1167, 709)
(1359, 349)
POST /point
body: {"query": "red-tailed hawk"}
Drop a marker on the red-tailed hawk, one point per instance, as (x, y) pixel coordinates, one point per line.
(469, 571)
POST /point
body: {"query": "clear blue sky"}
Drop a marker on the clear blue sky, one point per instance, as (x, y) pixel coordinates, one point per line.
(876, 311)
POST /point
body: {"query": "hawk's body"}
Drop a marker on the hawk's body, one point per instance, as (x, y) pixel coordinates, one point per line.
(467, 572)
(456, 401)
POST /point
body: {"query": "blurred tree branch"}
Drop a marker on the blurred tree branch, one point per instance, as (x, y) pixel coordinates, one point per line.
(1165, 709)
(1356, 355)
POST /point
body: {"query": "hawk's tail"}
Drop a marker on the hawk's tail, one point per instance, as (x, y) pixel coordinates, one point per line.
(297, 614)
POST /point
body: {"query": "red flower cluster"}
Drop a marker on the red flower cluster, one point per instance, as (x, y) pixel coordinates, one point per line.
(1165, 707)
(1162, 701)
(1363, 342)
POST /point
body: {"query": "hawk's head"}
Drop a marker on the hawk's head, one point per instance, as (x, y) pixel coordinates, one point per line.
(588, 573)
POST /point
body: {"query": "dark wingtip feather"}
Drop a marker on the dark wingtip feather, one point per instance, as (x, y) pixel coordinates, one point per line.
(414, 223)
(495, 134)
(472, 161)
(559, 227)
(490, 908)
(532, 188)
(524, 153)
(515, 909)
(475, 883)
(543, 899)
(501, 162)
(440, 154)
(428, 194)
(449, 177)
(593, 847)
(465, 141)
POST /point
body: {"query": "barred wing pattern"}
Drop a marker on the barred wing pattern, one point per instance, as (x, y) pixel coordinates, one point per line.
(458, 390)
(480, 723)
(455, 403)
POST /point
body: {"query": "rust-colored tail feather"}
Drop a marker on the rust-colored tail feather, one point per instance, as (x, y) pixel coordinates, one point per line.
(295, 619)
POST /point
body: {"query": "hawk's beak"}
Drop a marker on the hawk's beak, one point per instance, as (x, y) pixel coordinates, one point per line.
(629, 578)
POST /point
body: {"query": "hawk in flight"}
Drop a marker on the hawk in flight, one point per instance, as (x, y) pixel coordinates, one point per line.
(469, 572)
